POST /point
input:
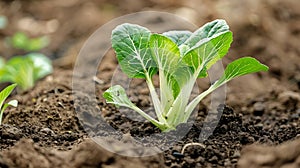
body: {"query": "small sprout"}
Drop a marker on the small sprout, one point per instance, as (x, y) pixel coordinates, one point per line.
(21, 41)
(179, 57)
(25, 70)
(3, 96)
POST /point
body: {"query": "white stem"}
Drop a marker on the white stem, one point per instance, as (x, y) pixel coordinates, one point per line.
(175, 113)
(192, 105)
(155, 100)
(166, 94)
(149, 118)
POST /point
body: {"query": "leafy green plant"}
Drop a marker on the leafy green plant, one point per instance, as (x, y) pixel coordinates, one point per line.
(179, 57)
(21, 41)
(3, 96)
(25, 70)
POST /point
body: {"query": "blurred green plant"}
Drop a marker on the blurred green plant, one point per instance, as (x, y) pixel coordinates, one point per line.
(25, 70)
(3, 96)
(21, 41)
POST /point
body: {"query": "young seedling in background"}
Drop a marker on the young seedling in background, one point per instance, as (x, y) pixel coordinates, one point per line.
(179, 57)
(3, 96)
(25, 70)
(21, 41)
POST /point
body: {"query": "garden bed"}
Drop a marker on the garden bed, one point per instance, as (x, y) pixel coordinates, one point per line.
(264, 108)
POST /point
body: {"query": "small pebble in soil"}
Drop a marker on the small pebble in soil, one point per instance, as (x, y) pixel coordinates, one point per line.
(259, 126)
(175, 165)
(258, 108)
(189, 160)
(177, 154)
(236, 154)
(47, 131)
(295, 116)
(213, 159)
(227, 163)
(245, 138)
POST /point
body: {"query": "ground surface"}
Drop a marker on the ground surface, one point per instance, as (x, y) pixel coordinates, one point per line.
(263, 108)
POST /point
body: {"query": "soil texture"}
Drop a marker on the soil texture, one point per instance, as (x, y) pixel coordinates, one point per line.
(56, 126)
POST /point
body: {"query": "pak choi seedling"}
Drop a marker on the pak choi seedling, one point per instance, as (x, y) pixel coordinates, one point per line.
(25, 70)
(3, 96)
(21, 41)
(179, 57)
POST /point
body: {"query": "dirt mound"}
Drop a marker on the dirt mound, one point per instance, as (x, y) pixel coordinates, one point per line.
(259, 156)
(88, 154)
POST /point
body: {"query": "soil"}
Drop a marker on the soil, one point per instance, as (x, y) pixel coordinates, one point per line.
(285, 155)
(259, 123)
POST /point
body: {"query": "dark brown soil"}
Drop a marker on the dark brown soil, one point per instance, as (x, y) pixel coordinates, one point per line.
(46, 129)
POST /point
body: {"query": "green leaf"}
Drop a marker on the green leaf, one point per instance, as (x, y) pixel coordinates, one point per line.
(3, 96)
(183, 49)
(130, 43)
(116, 95)
(178, 37)
(239, 67)
(13, 103)
(165, 52)
(201, 58)
(5, 93)
(206, 32)
(19, 69)
(36, 44)
(5, 76)
(26, 70)
(42, 65)
(19, 40)
(166, 55)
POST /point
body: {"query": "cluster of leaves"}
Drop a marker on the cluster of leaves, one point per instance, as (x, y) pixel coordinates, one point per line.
(179, 57)
(3, 96)
(21, 41)
(25, 70)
